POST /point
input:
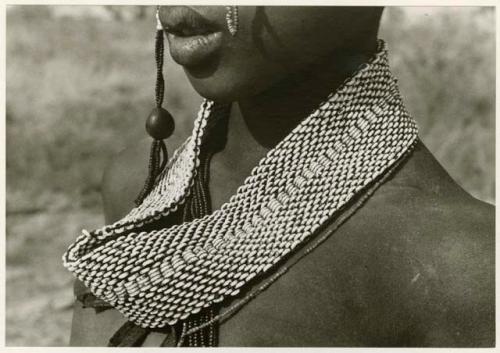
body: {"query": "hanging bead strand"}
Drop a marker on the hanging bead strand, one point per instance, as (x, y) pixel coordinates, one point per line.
(160, 123)
(232, 19)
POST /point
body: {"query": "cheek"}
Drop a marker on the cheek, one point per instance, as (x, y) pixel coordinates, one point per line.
(241, 70)
(271, 43)
(294, 36)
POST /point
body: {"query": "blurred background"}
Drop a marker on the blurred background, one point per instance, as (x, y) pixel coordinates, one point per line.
(80, 84)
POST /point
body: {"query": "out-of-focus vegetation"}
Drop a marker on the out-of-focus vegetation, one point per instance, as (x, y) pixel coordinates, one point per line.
(80, 83)
(446, 68)
(77, 90)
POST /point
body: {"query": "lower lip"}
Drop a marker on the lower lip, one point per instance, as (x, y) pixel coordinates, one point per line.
(194, 50)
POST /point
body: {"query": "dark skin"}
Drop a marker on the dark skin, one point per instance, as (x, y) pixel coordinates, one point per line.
(413, 267)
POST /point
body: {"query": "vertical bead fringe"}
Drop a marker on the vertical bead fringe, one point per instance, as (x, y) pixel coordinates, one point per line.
(158, 158)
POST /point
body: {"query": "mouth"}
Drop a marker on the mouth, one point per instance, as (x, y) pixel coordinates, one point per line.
(192, 38)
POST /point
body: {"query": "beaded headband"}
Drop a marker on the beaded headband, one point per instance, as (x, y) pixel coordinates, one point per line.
(158, 277)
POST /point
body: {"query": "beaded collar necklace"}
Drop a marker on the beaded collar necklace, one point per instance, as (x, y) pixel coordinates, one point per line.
(161, 276)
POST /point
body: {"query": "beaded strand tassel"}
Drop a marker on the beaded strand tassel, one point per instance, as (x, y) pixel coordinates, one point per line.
(232, 19)
(160, 123)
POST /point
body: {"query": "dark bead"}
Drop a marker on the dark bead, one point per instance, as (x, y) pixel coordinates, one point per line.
(160, 124)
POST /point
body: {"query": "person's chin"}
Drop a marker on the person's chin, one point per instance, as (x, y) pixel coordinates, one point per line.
(228, 83)
(216, 91)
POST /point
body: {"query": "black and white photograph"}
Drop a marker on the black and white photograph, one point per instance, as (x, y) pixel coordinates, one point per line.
(278, 175)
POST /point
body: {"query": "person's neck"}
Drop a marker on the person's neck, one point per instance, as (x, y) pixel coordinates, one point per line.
(259, 123)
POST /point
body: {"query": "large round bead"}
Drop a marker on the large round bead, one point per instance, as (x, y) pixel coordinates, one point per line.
(160, 124)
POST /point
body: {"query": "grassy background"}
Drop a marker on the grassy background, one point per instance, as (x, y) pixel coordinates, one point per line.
(80, 82)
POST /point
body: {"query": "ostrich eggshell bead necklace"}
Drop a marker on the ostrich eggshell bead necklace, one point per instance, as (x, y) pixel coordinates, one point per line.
(162, 276)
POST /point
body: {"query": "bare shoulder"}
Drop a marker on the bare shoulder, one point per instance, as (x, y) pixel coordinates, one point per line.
(123, 179)
(439, 266)
(458, 266)
(422, 251)
(125, 174)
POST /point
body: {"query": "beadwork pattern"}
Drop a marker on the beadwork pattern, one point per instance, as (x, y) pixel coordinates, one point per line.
(232, 19)
(159, 277)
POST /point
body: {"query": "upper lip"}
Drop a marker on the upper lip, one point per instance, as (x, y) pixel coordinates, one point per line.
(185, 22)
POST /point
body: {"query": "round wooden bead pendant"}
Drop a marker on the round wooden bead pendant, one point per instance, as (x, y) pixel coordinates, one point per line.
(160, 124)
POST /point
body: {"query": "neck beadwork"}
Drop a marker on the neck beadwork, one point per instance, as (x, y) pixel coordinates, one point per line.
(158, 277)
